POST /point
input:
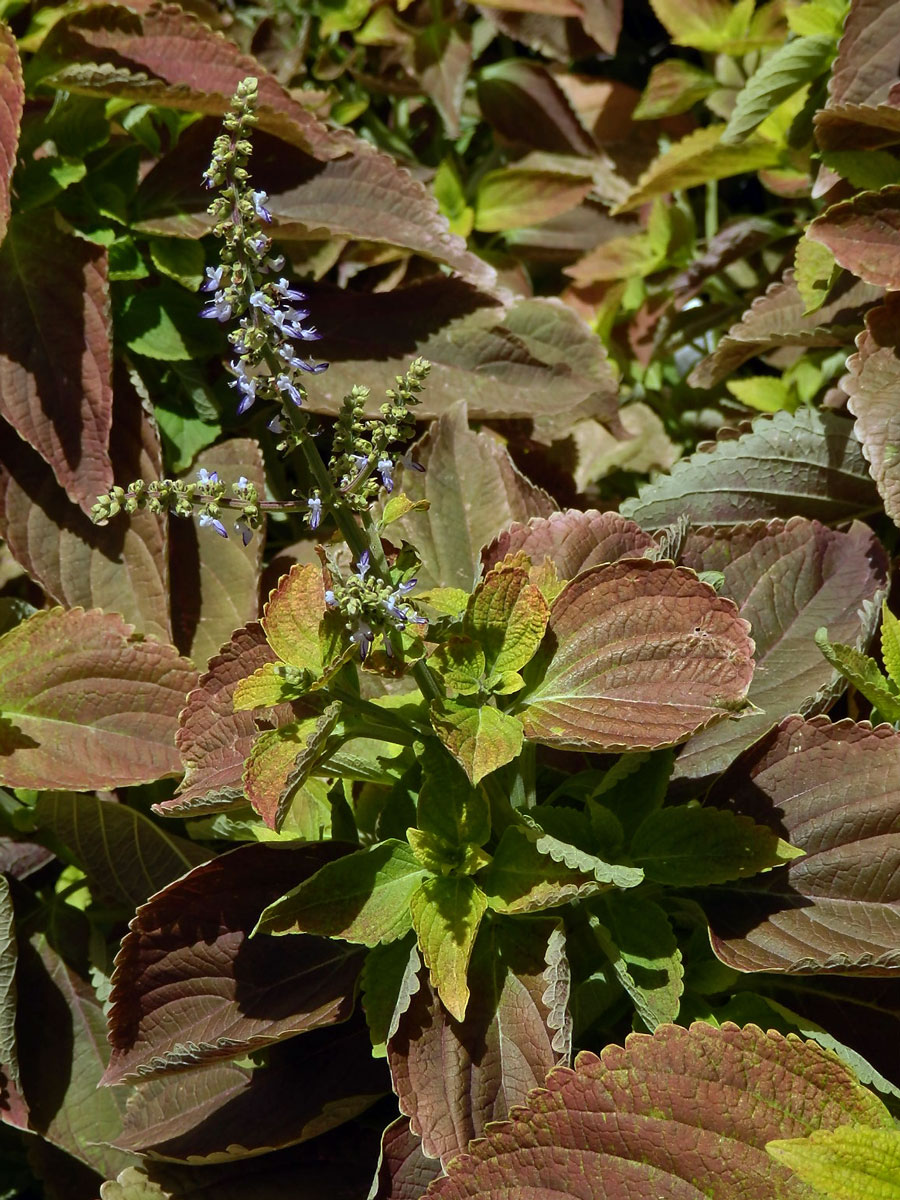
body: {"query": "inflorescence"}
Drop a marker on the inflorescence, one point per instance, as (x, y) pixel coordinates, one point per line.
(267, 366)
(372, 606)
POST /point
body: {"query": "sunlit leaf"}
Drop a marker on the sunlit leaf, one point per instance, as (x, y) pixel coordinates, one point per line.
(685, 1111)
(788, 581)
(780, 75)
(871, 384)
(637, 655)
(863, 234)
(87, 705)
(832, 790)
(446, 913)
(808, 463)
(852, 1162)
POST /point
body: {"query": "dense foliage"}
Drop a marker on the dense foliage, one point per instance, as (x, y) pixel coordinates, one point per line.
(449, 685)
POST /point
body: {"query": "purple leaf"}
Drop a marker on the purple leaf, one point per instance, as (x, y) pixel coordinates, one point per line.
(405, 1170)
(191, 987)
(833, 791)
(639, 655)
(872, 381)
(572, 540)
(87, 705)
(680, 1113)
(12, 100)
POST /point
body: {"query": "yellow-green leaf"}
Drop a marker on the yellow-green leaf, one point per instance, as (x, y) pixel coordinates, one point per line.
(847, 1163)
(890, 643)
(446, 913)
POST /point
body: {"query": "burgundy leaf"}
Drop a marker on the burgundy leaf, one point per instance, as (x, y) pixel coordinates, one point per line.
(639, 655)
(12, 100)
(164, 55)
(87, 705)
(735, 241)
(191, 986)
(310, 1085)
(680, 1113)
(524, 103)
(787, 583)
(405, 1170)
(20, 857)
(215, 580)
(777, 318)
(807, 464)
(362, 194)
(572, 540)
(863, 234)
(120, 567)
(55, 352)
(833, 791)
(212, 738)
(872, 383)
(862, 112)
(452, 1077)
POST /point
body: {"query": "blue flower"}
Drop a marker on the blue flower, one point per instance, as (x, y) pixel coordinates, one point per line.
(259, 200)
(286, 385)
(406, 461)
(213, 279)
(362, 566)
(315, 511)
(205, 477)
(284, 289)
(330, 598)
(206, 519)
(220, 309)
(244, 530)
(385, 468)
(363, 636)
(246, 386)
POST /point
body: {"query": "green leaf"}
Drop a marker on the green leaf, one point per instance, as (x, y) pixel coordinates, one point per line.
(292, 617)
(400, 506)
(266, 687)
(507, 616)
(635, 787)
(674, 86)
(163, 323)
(451, 198)
(890, 644)
(866, 170)
(862, 672)
(446, 914)
(637, 937)
(781, 74)
(690, 847)
(522, 878)
(388, 983)
(363, 898)
(815, 273)
(765, 393)
(705, 24)
(480, 737)
(515, 196)
(701, 157)
(181, 259)
(817, 17)
(9, 1059)
(847, 1163)
(448, 805)
(125, 855)
(460, 664)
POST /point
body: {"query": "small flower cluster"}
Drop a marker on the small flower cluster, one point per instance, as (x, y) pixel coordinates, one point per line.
(372, 607)
(267, 364)
(365, 454)
(182, 499)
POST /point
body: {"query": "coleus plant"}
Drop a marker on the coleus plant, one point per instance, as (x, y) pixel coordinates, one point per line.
(465, 840)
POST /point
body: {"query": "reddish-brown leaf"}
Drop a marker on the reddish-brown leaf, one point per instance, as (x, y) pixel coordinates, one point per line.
(120, 567)
(223, 1111)
(863, 109)
(452, 1078)
(191, 986)
(778, 318)
(12, 101)
(405, 1170)
(87, 705)
(572, 540)
(212, 738)
(791, 579)
(215, 580)
(164, 55)
(55, 352)
(863, 234)
(833, 791)
(872, 384)
(363, 195)
(639, 655)
(680, 1113)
